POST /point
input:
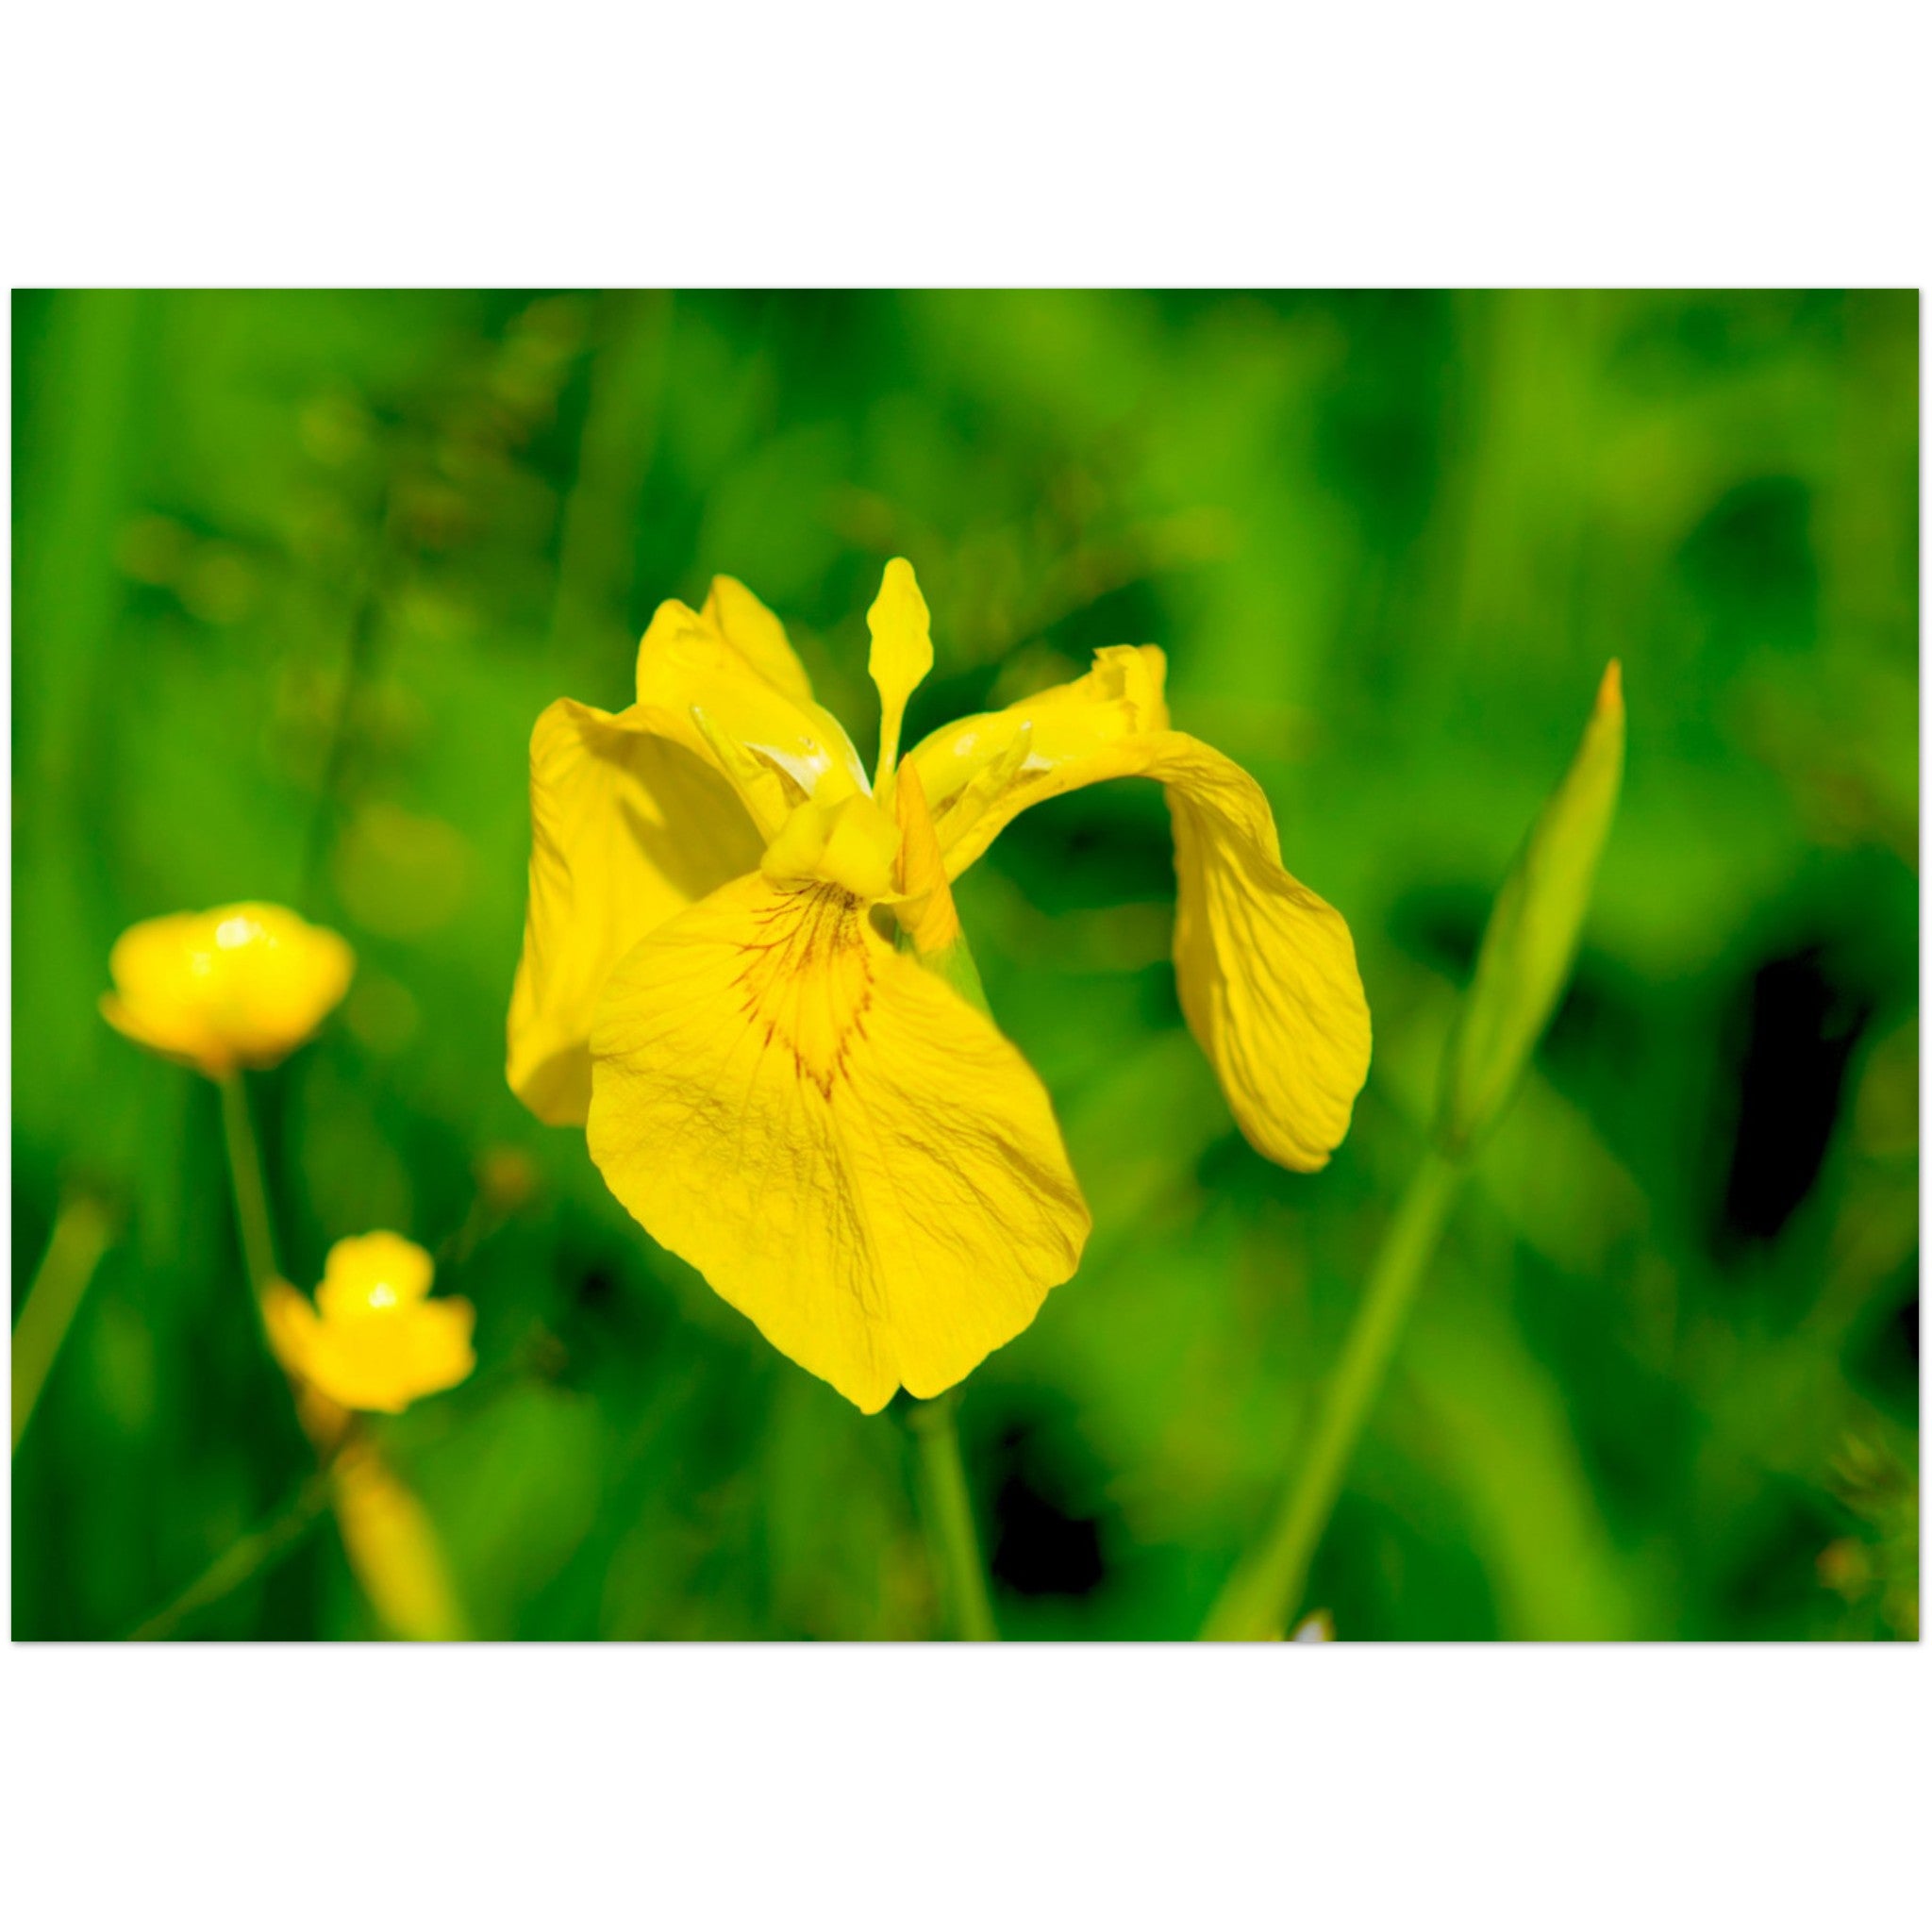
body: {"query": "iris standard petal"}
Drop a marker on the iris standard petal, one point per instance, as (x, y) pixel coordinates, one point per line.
(756, 634)
(698, 688)
(1265, 968)
(627, 828)
(850, 1154)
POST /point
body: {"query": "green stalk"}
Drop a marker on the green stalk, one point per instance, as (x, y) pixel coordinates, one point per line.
(251, 1191)
(1267, 1588)
(947, 1512)
(255, 1552)
(371, 1562)
(82, 1234)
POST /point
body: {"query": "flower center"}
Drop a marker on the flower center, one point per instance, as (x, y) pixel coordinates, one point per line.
(852, 843)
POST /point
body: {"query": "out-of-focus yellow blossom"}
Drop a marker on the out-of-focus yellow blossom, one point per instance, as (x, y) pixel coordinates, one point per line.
(394, 1548)
(373, 1338)
(838, 1137)
(243, 985)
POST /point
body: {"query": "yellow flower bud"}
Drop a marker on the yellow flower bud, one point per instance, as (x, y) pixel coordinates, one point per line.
(242, 986)
(373, 1340)
(1530, 942)
(394, 1548)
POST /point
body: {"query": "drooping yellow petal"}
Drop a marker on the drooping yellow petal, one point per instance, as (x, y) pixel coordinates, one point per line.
(240, 986)
(626, 829)
(1265, 969)
(901, 657)
(849, 1153)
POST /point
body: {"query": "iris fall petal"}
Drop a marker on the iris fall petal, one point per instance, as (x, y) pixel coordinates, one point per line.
(1265, 968)
(850, 1154)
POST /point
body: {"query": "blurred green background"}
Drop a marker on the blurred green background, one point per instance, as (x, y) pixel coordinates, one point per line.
(293, 576)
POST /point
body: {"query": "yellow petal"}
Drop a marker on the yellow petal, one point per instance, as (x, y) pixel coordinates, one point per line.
(852, 845)
(851, 1155)
(373, 1271)
(980, 772)
(292, 1326)
(372, 1341)
(901, 657)
(927, 917)
(1265, 969)
(687, 667)
(627, 828)
(240, 986)
(756, 635)
(394, 1549)
(372, 1359)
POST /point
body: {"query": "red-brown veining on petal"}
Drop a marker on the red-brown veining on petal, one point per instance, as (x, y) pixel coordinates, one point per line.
(806, 984)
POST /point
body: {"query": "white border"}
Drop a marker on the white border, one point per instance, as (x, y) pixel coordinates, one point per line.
(1040, 143)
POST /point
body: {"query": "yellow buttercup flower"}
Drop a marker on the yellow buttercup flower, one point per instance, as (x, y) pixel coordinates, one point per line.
(837, 1136)
(243, 985)
(373, 1338)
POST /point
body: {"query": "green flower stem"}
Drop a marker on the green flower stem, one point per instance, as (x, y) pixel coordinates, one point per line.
(947, 1510)
(82, 1232)
(251, 1191)
(1266, 1589)
(255, 1552)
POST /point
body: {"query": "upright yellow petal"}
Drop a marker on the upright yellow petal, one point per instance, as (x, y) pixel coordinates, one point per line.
(849, 1153)
(928, 915)
(900, 658)
(626, 829)
(1266, 969)
(756, 635)
(687, 667)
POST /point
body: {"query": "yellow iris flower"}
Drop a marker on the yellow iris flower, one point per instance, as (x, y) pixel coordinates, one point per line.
(373, 1338)
(242, 986)
(842, 1142)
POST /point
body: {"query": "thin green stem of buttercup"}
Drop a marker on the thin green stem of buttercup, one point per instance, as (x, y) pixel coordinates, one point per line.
(254, 1554)
(251, 1191)
(947, 1510)
(1264, 1592)
(81, 1235)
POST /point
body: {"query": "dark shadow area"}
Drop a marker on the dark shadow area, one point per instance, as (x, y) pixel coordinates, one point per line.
(1802, 1028)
